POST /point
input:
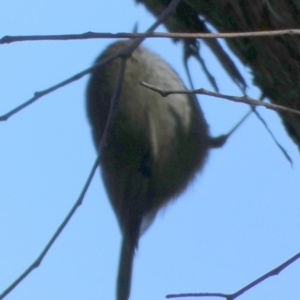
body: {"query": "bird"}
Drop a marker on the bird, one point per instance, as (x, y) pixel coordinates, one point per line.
(154, 148)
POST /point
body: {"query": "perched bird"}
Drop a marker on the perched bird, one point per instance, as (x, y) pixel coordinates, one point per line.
(152, 151)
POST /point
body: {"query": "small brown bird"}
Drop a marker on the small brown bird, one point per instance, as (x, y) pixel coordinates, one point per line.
(154, 148)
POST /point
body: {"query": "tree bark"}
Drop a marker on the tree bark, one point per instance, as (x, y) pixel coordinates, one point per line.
(274, 61)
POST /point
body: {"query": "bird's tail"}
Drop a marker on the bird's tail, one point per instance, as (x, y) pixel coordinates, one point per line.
(125, 271)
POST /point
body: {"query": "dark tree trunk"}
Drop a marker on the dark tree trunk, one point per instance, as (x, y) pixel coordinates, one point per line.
(274, 61)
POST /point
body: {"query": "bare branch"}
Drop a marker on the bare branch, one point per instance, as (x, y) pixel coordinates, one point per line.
(125, 35)
(71, 79)
(38, 261)
(235, 295)
(123, 53)
(243, 99)
(40, 94)
(283, 151)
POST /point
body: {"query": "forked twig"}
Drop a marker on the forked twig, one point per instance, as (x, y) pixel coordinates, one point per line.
(235, 295)
(124, 54)
(243, 99)
(57, 86)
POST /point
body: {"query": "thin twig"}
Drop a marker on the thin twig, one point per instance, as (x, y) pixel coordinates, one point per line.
(73, 78)
(124, 54)
(243, 99)
(38, 261)
(235, 295)
(114, 103)
(284, 152)
(59, 85)
(183, 35)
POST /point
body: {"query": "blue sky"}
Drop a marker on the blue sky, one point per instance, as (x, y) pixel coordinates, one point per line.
(237, 221)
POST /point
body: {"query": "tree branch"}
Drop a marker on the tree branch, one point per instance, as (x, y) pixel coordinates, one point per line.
(61, 227)
(243, 99)
(235, 295)
(125, 35)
